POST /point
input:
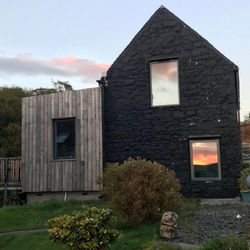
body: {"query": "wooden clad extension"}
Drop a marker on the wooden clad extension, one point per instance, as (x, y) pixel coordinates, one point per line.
(40, 172)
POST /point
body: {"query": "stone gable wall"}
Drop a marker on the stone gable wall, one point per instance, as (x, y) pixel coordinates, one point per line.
(208, 105)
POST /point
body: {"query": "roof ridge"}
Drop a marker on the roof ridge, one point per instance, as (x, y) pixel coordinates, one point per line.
(200, 36)
(163, 8)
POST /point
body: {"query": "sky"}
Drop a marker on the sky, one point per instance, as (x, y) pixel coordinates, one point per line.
(48, 40)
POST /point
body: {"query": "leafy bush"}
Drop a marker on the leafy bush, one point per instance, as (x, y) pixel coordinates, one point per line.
(226, 243)
(140, 190)
(91, 228)
(242, 180)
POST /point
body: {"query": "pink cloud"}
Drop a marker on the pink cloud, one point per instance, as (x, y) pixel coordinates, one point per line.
(78, 67)
(25, 64)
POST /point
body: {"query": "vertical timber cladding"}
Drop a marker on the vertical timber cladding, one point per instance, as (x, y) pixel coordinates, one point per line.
(41, 173)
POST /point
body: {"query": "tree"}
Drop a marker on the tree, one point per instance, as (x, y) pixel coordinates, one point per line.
(10, 122)
(59, 86)
(62, 86)
(245, 129)
(246, 119)
(11, 115)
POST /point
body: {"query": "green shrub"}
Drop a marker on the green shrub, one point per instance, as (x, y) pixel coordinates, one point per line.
(140, 190)
(242, 180)
(226, 243)
(91, 228)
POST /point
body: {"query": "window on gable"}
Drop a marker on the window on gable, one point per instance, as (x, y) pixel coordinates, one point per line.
(164, 83)
(205, 159)
(64, 138)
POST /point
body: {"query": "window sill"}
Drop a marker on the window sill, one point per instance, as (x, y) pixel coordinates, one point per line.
(207, 180)
(63, 160)
(173, 106)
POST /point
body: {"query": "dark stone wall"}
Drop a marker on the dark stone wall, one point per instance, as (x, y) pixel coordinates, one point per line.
(208, 105)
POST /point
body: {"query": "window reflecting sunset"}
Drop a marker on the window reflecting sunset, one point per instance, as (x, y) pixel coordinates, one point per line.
(205, 158)
(204, 153)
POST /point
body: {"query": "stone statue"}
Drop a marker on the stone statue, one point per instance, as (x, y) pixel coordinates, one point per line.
(169, 225)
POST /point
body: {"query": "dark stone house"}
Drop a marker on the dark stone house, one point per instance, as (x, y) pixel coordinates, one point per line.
(170, 97)
(173, 98)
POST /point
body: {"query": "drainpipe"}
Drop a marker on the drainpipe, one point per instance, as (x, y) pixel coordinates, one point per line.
(102, 84)
(237, 91)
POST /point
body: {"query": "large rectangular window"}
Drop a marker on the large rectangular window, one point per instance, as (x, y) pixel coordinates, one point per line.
(64, 138)
(205, 159)
(164, 83)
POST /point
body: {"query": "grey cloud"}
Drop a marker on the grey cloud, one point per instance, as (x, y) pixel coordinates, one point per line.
(64, 66)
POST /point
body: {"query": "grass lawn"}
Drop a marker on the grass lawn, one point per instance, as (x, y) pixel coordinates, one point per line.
(133, 238)
(13, 218)
(159, 245)
(35, 215)
(36, 241)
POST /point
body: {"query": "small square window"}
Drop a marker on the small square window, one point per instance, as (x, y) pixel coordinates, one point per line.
(205, 159)
(64, 139)
(164, 83)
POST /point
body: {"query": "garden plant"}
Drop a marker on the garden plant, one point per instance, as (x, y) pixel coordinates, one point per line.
(140, 190)
(92, 228)
(226, 243)
(245, 190)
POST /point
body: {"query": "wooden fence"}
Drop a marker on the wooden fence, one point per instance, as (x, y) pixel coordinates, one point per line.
(10, 169)
(246, 154)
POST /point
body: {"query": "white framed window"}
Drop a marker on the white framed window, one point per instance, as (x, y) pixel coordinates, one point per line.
(205, 159)
(164, 81)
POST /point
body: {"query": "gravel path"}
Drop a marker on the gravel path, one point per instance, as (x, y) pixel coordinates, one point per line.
(213, 221)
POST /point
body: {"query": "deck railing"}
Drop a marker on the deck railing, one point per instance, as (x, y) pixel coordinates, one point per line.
(10, 171)
(245, 154)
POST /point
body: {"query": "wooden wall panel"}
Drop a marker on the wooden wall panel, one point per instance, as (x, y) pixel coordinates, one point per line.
(41, 173)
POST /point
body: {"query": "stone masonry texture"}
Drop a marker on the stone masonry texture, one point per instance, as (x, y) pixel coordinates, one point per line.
(208, 105)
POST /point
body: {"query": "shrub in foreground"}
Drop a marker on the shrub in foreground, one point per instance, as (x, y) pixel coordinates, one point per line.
(140, 190)
(242, 180)
(91, 228)
(226, 243)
